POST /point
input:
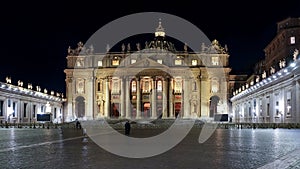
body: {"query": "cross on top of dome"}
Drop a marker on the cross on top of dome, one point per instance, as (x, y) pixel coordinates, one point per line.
(160, 31)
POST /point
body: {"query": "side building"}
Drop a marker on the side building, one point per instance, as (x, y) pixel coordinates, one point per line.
(154, 82)
(20, 104)
(272, 93)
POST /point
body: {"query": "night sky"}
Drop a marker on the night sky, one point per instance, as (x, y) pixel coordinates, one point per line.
(35, 35)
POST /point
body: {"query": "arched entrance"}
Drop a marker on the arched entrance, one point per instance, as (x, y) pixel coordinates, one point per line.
(80, 107)
(213, 104)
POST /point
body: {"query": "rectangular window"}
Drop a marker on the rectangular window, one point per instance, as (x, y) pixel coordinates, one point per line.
(8, 103)
(55, 112)
(25, 107)
(99, 86)
(14, 109)
(260, 107)
(159, 61)
(178, 86)
(34, 108)
(1, 108)
(215, 61)
(178, 62)
(288, 103)
(133, 86)
(115, 87)
(99, 62)
(194, 62)
(159, 86)
(268, 109)
(133, 61)
(115, 62)
(292, 40)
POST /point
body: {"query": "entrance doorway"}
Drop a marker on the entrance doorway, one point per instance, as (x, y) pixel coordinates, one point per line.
(80, 107)
(115, 110)
(146, 110)
(213, 104)
(177, 109)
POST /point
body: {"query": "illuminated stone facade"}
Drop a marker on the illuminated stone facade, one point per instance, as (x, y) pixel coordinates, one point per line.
(272, 93)
(159, 83)
(20, 104)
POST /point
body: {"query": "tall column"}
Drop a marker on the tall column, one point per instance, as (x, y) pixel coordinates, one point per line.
(122, 98)
(198, 83)
(73, 108)
(127, 99)
(297, 120)
(295, 103)
(30, 112)
(272, 107)
(138, 99)
(69, 94)
(186, 98)
(90, 98)
(165, 103)
(171, 110)
(107, 101)
(153, 101)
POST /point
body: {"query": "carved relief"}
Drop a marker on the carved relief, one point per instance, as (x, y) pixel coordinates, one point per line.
(80, 86)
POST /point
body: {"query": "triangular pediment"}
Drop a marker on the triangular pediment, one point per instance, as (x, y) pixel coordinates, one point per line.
(147, 63)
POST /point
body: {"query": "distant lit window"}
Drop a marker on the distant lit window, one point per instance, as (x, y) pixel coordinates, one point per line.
(215, 61)
(100, 63)
(146, 86)
(159, 86)
(288, 103)
(133, 61)
(178, 85)
(178, 62)
(159, 61)
(292, 40)
(99, 86)
(133, 86)
(194, 62)
(214, 86)
(115, 62)
(115, 87)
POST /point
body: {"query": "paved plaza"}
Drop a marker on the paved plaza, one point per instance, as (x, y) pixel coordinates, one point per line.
(226, 148)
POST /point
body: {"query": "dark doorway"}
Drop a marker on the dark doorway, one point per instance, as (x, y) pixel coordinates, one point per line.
(80, 107)
(115, 110)
(146, 110)
(213, 104)
(177, 109)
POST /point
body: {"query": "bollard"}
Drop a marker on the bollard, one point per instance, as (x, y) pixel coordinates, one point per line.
(6, 124)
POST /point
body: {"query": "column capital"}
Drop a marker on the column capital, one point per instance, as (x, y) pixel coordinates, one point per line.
(138, 78)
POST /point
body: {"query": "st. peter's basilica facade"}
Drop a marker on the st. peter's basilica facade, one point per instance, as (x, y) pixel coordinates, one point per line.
(156, 81)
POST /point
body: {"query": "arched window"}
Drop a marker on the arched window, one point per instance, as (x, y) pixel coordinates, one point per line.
(133, 86)
(178, 85)
(115, 86)
(159, 86)
(214, 86)
(80, 106)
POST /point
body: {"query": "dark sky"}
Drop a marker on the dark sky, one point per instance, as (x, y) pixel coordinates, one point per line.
(35, 35)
